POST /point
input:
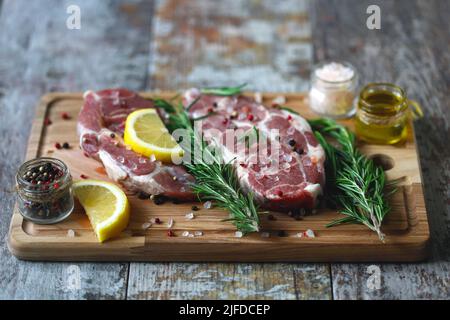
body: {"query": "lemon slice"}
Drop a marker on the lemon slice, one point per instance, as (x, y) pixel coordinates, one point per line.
(105, 204)
(146, 134)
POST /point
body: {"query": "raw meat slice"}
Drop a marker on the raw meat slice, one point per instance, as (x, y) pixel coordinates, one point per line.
(291, 178)
(100, 128)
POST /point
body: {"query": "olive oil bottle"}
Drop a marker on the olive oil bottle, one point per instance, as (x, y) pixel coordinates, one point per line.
(382, 114)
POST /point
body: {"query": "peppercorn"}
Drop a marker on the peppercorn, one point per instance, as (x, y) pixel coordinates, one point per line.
(66, 145)
(215, 105)
(82, 176)
(170, 233)
(112, 135)
(157, 221)
(47, 121)
(250, 117)
(291, 142)
(158, 200)
(299, 151)
(58, 145)
(194, 208)
(271, 217)
(282, 233)
(65, 116)
(143, 196)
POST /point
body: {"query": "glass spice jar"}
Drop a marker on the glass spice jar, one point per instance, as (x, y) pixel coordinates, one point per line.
(383, 112)
(333, 89)
(44, 187)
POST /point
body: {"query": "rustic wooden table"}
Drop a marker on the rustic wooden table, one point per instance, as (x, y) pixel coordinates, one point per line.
(173, 44)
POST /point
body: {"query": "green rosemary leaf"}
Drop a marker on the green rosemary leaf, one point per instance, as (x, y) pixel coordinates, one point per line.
(224, 91)
(354, 182)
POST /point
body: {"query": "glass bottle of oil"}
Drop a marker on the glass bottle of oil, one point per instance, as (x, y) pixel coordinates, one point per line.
(382, 114)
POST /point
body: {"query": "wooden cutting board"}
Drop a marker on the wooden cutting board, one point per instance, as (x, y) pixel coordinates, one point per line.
(406, 226)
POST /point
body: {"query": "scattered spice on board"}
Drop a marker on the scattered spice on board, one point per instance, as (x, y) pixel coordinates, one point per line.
(198, 233)
(71, 233)
(47, 121)
(207, 205)
(170, 233)
(195, 208)
(143, 196)
(238, 234)
(278, 101)
(66, 145)
(185, 233)
(170, 223)
(189, 216)
(306, 234)
(82, 176)
(265, 234)
(65, 116)
(157, 220)
(146, 225)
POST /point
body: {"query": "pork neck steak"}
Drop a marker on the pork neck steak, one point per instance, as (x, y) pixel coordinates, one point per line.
(289, 179)
(101, 124)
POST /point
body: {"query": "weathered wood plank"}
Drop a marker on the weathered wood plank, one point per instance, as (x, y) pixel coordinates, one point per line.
(39, 54)
(264, 43)
(197, 43)
(227, 281)
(411, 49)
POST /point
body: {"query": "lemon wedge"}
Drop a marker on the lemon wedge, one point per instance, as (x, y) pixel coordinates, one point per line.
(146, 134)
(105, 204)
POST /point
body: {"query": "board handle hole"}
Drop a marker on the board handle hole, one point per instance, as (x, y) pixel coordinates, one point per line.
(384, 161)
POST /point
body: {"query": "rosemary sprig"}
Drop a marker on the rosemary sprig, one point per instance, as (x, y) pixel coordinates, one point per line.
(215, 180)
(354, 183)
(223, 91)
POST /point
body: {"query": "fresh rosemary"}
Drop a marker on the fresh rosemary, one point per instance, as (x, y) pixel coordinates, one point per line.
(215, 180)
(223, 91)
(354, 183)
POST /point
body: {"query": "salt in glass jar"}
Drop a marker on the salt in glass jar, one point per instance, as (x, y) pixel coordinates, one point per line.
(333, 89)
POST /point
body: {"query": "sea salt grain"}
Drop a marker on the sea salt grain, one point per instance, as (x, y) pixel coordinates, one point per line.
(307, 234)
(238, 234)
(152, 158)
(185, 233)
(189, 216)
(278, 101)
(146, 225)
(71, 233)
(170, 223)
(207, 205)
(198, 233)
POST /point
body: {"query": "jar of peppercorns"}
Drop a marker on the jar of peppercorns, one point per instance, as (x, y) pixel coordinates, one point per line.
(44, 187)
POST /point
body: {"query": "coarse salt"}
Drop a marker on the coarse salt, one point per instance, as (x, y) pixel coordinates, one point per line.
(189, 216)
(71, 233)
(207, 205)
(335, 72)
(170, 223)
(152, 158)
(146, 225)
(185, 233)
(238, 234)
(279, 100)
(198, 233)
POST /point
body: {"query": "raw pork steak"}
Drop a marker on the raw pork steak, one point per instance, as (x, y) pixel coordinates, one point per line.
(100, 127)
(290, 179)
